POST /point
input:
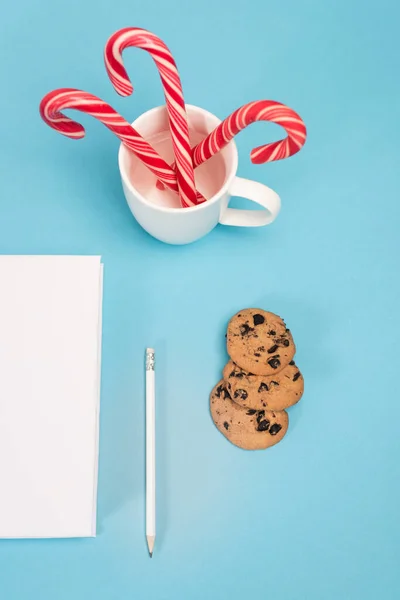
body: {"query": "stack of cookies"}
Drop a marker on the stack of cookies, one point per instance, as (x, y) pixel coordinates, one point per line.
(260, 381)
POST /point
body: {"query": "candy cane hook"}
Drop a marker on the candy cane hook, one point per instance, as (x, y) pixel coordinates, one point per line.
(141, 38)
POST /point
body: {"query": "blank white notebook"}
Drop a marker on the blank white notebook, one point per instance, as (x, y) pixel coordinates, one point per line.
(50, 347)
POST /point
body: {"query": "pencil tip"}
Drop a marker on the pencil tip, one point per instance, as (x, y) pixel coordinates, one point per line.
(150, 544)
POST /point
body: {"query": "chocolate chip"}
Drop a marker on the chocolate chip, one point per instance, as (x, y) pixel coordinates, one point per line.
(221, 389)
(233, 374)
(273, 349)
(257, 354)
(263, 388)
(245, 329)
(274, 362)
(263, 425)
(296, 376)
(286, 343)
(287, 330)
(274, 382)
(258, 319)
(251, 411)
(275, 428)
(291, 363)
(226, 394)
(239, 375)
(261, 349)
(272, 332)
(226, 425)
(260, 415)
(242, 394)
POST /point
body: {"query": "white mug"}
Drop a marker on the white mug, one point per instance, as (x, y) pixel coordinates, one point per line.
(186, 225)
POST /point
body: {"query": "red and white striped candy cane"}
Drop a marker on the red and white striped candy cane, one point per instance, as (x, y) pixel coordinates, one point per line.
(260, 110)
(56, 101)
(141, 38)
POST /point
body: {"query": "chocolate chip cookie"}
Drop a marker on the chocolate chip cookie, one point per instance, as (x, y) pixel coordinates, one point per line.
(247, 428)
(273, 392)
(259, 342)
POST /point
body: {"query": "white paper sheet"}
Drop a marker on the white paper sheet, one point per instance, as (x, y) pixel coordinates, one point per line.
(50, 348)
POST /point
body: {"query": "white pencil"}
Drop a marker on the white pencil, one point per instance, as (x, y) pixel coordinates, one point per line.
(150, 451)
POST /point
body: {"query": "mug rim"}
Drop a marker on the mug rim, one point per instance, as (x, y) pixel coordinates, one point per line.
(223, 189)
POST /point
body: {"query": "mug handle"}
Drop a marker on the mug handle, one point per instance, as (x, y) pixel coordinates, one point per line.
(257, 192)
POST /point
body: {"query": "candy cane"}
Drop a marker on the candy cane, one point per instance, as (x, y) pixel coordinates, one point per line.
(260, 110)
(56, 101)
(141, 38)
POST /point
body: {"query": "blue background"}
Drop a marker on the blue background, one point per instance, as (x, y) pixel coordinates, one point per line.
(316, 517)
